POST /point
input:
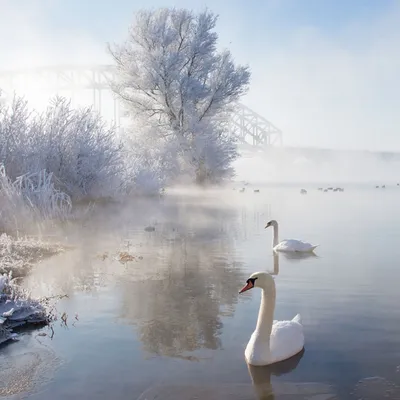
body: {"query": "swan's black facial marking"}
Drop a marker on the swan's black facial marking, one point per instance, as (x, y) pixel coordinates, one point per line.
(249, 284)
(268, 225)
(252, 280)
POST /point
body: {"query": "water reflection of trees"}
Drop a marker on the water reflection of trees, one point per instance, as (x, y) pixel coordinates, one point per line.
(187, 280)
(75, 270)
(193, 281)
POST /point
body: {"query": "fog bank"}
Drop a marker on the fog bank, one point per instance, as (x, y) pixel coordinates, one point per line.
(296, 165)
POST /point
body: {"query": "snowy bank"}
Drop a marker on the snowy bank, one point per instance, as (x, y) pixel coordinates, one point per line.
(17, 309)
(19, 255)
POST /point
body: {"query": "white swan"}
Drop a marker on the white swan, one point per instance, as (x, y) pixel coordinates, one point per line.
(289, 245)
(272, 341)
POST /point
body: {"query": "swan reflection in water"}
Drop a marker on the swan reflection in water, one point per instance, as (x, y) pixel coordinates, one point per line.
(261, 376)
(291, 257)
(276, 265)
(295, 256)
(265, 390)
(261, 388)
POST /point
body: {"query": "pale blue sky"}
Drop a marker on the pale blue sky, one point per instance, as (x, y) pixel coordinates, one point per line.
(325, 71)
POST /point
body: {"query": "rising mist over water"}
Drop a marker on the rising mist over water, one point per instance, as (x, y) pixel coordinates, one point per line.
(289, 165)
(172, 315)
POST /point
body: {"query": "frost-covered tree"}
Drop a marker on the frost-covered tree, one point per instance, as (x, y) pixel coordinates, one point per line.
(178, 85)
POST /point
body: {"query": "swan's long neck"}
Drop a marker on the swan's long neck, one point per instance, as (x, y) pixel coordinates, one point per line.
(275, 239)
(276, 264)
(266, 313)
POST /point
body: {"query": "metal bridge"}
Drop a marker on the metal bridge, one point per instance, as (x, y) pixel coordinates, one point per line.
(251, 129)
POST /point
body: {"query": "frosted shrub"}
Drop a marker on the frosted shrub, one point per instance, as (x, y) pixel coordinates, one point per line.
(75, 146)
(16, 141)
(81, 151)
(48, 159)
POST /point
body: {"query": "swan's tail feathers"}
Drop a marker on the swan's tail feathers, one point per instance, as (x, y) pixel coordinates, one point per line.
(297, 318)
(313, 247)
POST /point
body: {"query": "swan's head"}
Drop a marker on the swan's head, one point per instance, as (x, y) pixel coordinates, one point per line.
(271, 223)
(258, 279)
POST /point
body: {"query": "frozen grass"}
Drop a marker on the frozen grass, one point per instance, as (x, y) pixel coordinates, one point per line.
(19, 255)
(29, 200)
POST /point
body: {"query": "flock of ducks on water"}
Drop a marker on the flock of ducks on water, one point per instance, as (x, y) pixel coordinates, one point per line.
(338, 189)
(273, 341)
(304, 191)
(383, 186)
(243, 189)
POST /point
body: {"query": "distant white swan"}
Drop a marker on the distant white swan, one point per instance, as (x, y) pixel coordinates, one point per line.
(272, 341)
(289, 245)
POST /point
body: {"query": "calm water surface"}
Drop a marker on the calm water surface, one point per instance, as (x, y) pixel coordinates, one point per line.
(171, 322)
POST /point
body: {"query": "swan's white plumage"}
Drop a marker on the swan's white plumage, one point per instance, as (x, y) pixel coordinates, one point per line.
(286, 340)
(272, 341)
(289, 245)
(294, 245)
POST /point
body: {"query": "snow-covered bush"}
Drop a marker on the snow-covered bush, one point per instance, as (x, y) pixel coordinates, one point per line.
(51, 159)
(83, 150)
(75, 146)
(173, 80)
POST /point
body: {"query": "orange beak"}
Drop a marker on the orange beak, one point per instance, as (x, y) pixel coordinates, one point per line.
(246, 287)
